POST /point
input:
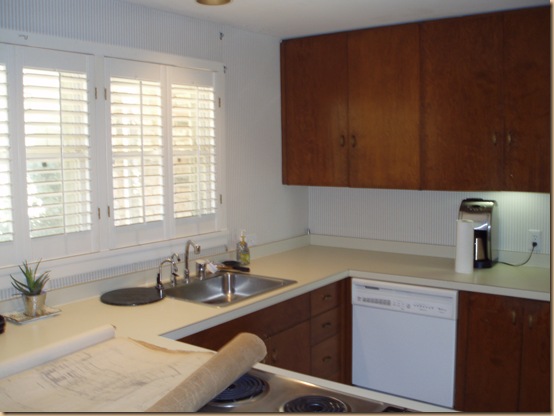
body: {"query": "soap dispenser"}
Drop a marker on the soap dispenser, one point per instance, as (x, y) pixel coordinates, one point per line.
(243, 252)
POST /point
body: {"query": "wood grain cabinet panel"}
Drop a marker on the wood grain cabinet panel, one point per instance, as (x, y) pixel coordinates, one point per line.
(527, 81)
(350, 109)
(314, 110)
(503, 358)
(326, 359)
(486, 102)
(325, 325)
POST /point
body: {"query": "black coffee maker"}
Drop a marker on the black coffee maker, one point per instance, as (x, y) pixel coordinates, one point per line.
(485, 230)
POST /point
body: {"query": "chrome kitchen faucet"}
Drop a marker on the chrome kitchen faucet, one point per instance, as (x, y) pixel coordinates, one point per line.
(196, 251)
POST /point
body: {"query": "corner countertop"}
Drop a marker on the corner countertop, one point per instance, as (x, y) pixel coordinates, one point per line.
(312, 266)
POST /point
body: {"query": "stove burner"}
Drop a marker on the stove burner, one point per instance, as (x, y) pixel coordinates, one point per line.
(309, 404)
(244, 388)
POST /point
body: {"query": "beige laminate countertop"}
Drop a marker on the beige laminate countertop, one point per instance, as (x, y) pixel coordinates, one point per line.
(311, 266)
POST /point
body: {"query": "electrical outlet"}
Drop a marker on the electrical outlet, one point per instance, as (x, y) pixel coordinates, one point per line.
(535, 236)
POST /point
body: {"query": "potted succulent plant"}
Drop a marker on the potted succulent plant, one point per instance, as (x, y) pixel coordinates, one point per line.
(32, 289)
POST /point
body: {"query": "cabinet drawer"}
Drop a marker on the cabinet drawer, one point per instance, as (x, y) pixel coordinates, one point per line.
(324, 298)
(326, 358)
(324, 325)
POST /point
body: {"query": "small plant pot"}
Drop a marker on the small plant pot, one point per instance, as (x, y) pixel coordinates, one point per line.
(34, 305)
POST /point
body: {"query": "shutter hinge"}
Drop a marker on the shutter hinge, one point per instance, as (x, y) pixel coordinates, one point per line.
(105, 94)
(109, 212)
(99, 216)
(95, 93)
(220, 199)
(219, 101)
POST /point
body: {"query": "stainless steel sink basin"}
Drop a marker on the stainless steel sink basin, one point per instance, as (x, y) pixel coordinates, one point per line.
(226, 288)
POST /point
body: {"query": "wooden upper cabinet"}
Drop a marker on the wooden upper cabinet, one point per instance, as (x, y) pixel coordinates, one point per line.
(527, 66)
(314, 98)
(462, 103)
(384, 99)
(486, 102)
(351, 109)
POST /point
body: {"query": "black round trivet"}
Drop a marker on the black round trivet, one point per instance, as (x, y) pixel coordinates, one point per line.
(132, 296)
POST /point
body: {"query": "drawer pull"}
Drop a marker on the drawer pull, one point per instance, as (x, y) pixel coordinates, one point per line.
(327, 297)
(326, 325)
(327, 358)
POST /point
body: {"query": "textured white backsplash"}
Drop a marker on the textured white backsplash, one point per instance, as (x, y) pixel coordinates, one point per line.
(426, 217)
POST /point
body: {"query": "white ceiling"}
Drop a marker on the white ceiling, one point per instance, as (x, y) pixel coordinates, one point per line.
(293, 18)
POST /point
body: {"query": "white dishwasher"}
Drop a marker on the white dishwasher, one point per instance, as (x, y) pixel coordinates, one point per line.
(404, 340)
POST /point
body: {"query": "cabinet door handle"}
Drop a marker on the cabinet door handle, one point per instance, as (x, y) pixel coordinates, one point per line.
(514, 315)
(342, 140)
(354, 140)
(509, 138)
(493, 138)
(531, 321)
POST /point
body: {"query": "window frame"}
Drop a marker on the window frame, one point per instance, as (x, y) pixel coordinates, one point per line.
(110, 256)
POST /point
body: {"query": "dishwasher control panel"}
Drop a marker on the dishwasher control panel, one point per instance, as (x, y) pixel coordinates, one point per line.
(440, 303)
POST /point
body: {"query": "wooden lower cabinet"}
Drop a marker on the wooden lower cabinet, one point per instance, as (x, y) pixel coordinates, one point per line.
(309, 334)
(503, 358)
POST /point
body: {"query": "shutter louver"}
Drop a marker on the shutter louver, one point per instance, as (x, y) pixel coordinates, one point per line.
(6, 216)
(137, 151)
(193, 131)
(57, 152)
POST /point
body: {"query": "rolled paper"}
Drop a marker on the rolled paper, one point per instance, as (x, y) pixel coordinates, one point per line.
(233, 360)
(56, 350)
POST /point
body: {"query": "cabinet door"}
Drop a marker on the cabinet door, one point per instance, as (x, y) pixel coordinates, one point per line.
(384, 104)
(535, 359)
(290, 349)
(492, 354)
(314, 82)
(527, 84)
(462, 114)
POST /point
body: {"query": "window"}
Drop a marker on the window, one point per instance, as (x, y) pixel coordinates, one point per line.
(137, 145)
(102, 153)
(55, 106)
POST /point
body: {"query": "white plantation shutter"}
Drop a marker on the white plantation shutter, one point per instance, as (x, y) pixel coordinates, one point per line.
(6, 216)
(57, 151)
(137, 151)
(193, 131)
(99, 153)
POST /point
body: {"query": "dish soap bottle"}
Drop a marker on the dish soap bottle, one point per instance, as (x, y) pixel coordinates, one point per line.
(243, 252)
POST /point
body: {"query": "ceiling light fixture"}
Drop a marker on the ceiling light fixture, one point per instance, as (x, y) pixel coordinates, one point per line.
(213, 2)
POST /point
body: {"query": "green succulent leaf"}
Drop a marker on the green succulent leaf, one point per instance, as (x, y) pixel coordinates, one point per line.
(33, 285)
